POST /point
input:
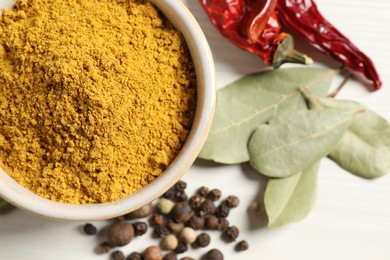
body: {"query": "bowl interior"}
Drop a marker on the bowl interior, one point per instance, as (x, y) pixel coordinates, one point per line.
(183, 20)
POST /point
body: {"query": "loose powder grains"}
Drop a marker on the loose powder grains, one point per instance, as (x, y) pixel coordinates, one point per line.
(96, 97)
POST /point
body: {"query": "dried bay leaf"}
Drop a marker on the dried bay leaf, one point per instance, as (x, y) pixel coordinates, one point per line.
(253, 100)
(364, 149)
(290, 199)
(293, 142)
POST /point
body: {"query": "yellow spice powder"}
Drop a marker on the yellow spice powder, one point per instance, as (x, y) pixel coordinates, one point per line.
(96, 97)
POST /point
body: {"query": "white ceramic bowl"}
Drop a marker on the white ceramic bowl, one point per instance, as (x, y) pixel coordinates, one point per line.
(183, 20)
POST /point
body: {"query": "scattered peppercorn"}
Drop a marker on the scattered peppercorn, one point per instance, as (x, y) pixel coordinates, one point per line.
(165, 205)
(120, 233)
(175, 227)
(180, 196)
(195, 201)
(157, 220)
(223, 224)
(153, 253)
(174, 219)
(188, 235)
(203, 240)
(170, 194)
(232, 201)
(89, 229)
(142, 212)
(212, 222)
(181, 248)
(160, 232)
(203, 191)
(170, 256)
(182, 212)
(230, 234)
(207, 207)
(117, 255)
(223, 210)
(169, 242)
(140, 228)
(134, 256)
(180, 185)
(103, 247)
(241, 246)
(214, 254)
(214, 194)
(196, 222)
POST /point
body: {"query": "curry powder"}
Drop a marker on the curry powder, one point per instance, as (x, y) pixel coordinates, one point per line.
(96, 97)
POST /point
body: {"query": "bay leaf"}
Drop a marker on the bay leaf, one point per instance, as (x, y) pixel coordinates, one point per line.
(290, 199)
(364, 149)
(253, 100)
(293, 142)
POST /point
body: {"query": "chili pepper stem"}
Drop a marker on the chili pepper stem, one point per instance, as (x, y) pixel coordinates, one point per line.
(285, 53)
(334, 93)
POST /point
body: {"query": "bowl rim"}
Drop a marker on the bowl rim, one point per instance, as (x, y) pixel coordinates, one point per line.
(201, 54)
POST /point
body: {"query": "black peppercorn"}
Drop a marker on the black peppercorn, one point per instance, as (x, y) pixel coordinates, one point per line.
(213, 254)
(230, 234)
(181, 248)
(203, 191)
(223, 210)
(160, 232)
(214, 194)
(180, 196)
(212, 222)
(117, 255)
(182, 212)
(140, 228)
(203, 240)
(223, 224)
(157, 220)
(241, 246)
(89, 229)
(134, 256)
(180, 185)
(232, 201)
(170, 194)
(195, 201)
(196, 223)
(207, 207)
(170, 256)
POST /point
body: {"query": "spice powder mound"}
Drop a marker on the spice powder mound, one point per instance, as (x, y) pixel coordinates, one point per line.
(96, 97)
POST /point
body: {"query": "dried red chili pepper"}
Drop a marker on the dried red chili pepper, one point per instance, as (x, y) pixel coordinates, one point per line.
(304, 18)
(253, 26)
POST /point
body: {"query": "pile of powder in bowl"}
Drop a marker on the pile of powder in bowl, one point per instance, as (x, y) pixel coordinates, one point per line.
(97, 97)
